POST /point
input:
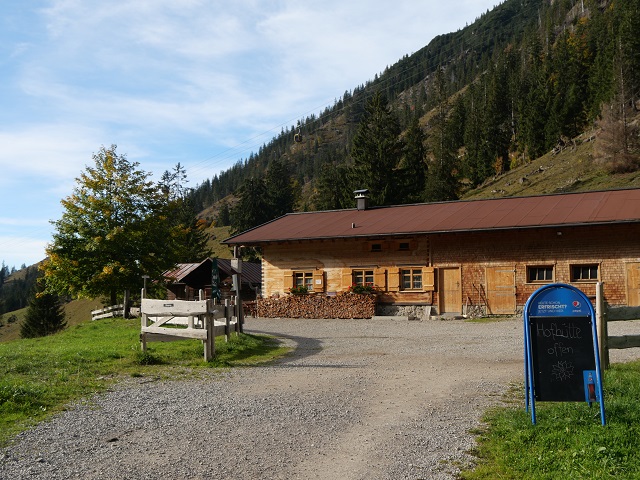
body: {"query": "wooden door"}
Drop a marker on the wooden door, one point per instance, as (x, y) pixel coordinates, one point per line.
(501, 290)
(633, 284)
(450, 287)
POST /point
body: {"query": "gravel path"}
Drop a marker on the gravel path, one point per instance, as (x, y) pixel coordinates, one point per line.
(357, 399)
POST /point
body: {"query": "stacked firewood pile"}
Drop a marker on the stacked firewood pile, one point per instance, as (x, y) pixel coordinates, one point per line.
(347, 305)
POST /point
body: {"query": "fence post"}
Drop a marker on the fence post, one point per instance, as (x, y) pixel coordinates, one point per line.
(227, 318)
(601, 324)
(144, 322)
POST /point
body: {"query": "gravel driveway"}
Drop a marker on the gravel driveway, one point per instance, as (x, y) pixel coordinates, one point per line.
(357, 399)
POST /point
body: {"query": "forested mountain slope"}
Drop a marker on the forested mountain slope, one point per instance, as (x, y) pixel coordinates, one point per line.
(526, 78)
(536, 96)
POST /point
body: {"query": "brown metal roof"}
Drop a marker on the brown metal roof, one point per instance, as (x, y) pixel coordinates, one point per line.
(587, 208)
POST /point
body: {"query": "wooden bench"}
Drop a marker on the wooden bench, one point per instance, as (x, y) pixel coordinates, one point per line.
(201, 324)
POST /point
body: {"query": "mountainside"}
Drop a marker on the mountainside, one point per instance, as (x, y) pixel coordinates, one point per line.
(536, 96)
(526, 78)
(572, 169)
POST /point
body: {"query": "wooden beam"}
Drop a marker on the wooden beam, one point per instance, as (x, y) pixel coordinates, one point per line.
(624, 341)
(622, 313)
(197, 333)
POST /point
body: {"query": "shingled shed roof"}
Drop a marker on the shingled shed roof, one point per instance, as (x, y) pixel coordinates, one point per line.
(251, 272)
(587, 208)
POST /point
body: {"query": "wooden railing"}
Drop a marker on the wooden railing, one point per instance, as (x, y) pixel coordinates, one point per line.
(606, 314)
(108, 312)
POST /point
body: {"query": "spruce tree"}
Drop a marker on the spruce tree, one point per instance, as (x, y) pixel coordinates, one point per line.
(44, 316)
(332, 188)
(253, 207)
(414, 163)
(280, 195)
(224, 215)
(442, 182)
(376, 152)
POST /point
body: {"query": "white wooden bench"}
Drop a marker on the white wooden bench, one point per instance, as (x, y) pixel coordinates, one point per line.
(158, 322)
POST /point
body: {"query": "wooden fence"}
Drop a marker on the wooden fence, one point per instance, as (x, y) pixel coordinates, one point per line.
(606, 314)
(108, 312)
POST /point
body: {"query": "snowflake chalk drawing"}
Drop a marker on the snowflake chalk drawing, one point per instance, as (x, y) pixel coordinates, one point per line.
(562, 371)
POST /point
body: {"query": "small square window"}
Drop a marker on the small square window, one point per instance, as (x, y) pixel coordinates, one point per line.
(411, 278)
(584, 273)
(362, 277)
(403, 246)
(376, 247)
(540, 274)
(303, 279)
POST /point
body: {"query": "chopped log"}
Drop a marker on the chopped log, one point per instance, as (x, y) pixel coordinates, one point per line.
(347, 305)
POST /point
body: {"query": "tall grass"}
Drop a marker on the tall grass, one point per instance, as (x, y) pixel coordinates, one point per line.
(568, 441)
(40, 376)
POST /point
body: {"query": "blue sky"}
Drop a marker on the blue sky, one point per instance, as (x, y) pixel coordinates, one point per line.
(203, 83)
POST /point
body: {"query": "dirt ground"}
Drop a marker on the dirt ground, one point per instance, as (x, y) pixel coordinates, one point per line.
(355, 399)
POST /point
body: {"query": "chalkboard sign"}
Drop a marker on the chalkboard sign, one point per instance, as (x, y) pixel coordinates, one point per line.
(562, 350)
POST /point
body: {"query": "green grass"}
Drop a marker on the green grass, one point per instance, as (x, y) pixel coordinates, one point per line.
(568, 441)
(38, 377)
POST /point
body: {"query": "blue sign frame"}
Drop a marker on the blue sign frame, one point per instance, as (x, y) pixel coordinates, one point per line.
(545, 309)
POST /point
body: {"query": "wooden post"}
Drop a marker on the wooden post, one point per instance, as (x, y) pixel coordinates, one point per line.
(238, 311)
(127, 304)
(227, 318)
(144, 322)
(237, 283)
(209, 343)
(601, 324)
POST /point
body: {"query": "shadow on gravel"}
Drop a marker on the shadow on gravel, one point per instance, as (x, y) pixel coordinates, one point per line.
(305, 347)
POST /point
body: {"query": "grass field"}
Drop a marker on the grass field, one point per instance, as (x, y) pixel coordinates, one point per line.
(38, 377)
(568, 441)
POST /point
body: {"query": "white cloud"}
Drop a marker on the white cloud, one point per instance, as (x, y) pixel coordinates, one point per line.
(201, 82)
(54, 152)
(15, 251)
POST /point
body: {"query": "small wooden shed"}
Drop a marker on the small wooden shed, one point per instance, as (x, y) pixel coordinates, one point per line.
(187, 279)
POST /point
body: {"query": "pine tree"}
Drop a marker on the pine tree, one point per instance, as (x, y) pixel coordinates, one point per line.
(252, 208)
(376, 152)
(414, 163)
(44, 316)
(224, 215)
(442, 183)
(475, 168)
(333, 188)
(190, 239)
(280, 194)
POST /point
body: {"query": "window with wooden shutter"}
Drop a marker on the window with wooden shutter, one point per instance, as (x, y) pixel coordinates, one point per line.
(411, 278)
(362, 277)
(303, 278)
